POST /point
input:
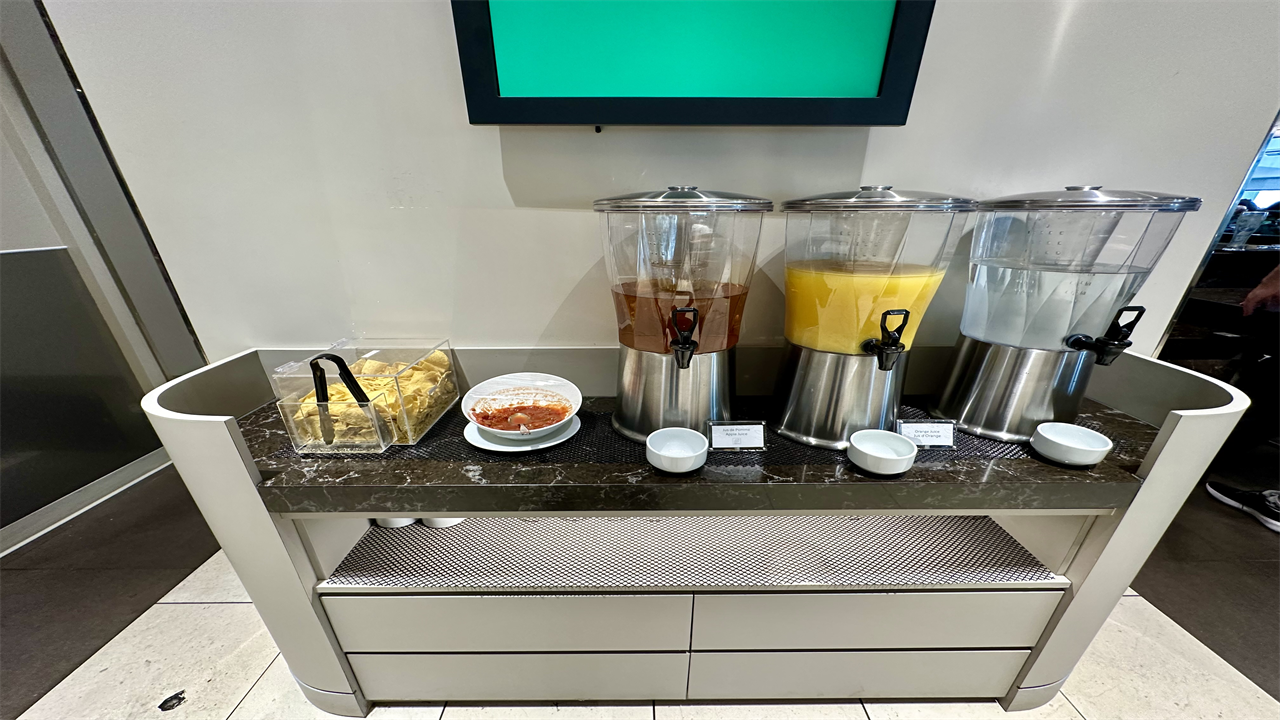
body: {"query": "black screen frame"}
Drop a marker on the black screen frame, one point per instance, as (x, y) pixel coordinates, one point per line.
(890, 107)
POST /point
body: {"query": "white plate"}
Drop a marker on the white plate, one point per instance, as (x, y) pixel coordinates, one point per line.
(487, 441)
(534, 388)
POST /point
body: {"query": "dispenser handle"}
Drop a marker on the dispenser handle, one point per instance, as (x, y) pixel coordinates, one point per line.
(1111, 344)
(889, 346)
(684, 336)
(1121, 331)
(322, 390)
(894, 336)
(685, 346)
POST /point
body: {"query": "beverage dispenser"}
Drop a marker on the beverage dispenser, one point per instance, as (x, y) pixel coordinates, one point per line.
(1051, 276)
(680, 262)
(861, 268)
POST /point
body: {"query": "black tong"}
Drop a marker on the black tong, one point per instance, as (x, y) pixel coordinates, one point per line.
(322, 390)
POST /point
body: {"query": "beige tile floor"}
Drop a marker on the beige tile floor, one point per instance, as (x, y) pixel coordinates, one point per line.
(205, 640)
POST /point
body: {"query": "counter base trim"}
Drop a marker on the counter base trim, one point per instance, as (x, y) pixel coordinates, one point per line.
(1029, 698)
(345, 704)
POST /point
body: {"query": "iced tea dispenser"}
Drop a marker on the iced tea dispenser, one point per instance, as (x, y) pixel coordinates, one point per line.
(1051, 275)
(680, 262)
(861, 268)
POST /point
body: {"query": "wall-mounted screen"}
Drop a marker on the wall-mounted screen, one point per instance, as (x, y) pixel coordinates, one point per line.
(690, 62)
(623, 48)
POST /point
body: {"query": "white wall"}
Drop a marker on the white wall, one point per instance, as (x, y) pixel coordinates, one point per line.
(1020, 96)
(308, 172)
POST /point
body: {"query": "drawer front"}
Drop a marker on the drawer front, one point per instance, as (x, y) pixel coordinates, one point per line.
(578, 676)
(885, 674)
(515, 623)
(851, 621)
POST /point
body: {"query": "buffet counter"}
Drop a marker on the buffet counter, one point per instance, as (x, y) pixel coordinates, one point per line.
(582, 573)
(599, 471)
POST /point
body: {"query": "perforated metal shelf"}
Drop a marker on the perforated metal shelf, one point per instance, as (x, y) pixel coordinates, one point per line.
(755, 553)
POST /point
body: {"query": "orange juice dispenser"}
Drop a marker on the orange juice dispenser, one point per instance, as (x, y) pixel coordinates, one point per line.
(861, 268)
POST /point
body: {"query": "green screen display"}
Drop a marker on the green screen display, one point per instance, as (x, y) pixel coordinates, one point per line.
(690, 48)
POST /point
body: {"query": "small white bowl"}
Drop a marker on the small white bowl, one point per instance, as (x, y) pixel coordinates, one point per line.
(395, 522)
(1070, 444)
(881, 452)
(441, 523)
(509, 388)
(676, 449)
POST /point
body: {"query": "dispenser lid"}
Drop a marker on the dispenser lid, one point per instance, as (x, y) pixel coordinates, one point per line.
(1093, 197)
(881, 197)
(684, 198)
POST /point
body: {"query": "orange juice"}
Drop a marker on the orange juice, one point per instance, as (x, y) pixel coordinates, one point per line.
(835, 306)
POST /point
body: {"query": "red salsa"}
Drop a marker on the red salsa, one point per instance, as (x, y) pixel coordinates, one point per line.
(513, 416)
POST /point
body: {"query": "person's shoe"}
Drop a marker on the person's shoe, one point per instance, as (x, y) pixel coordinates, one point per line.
(1265, 505)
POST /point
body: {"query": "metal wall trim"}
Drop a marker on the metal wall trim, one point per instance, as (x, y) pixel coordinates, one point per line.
(75, 142)
(33, 526)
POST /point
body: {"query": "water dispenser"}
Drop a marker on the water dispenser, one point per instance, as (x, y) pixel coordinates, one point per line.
(1051, 276)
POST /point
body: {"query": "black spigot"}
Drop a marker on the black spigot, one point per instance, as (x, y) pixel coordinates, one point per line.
(1114, 342)
(685, 346)
(889, 346)
(322, 390)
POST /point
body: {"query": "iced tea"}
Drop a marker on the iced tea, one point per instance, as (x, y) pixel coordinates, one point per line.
(644, 314)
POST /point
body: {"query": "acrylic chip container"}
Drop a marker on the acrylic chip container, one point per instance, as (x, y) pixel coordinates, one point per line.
(410, 384)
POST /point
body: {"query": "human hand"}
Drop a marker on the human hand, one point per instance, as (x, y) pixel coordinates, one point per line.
(1266, 295)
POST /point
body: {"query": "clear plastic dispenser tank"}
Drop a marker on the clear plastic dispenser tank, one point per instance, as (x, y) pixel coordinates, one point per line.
(1051, 276)
(861, 269)
(680, 261)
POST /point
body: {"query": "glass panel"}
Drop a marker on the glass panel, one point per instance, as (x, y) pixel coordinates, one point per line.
(74, 362)
(69, 402)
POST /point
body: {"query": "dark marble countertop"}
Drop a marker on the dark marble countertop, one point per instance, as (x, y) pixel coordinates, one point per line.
(598, 471)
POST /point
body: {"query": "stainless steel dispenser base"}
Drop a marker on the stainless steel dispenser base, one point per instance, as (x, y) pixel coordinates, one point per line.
(655, 393)
(1004, 392)
(830, 396)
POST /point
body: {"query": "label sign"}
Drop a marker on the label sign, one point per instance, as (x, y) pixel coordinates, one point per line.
(929, 434)
(736, 434)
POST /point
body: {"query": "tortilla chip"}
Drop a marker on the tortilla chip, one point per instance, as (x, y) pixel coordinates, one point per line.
(438, 360)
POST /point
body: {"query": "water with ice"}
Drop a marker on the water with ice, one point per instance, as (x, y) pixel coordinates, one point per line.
(1039, 308)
